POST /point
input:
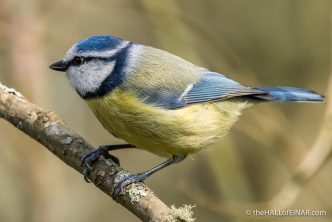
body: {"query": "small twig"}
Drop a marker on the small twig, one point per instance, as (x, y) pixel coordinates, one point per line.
(48, 129)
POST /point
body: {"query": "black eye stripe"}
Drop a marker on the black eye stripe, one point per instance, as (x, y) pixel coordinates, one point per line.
(106, 59)
(88, 59)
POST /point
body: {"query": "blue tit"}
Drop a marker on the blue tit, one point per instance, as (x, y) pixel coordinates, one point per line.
(157, 101)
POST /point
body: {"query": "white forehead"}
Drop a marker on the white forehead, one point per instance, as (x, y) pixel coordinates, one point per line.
(72, 52)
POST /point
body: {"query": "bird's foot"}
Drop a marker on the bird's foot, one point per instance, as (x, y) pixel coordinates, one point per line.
(126, 181)
(92, 157)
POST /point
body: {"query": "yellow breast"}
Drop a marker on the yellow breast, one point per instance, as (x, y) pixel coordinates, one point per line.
(161, 131)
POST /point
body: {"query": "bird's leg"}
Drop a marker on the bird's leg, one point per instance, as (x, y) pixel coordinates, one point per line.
(140, 177)
(101, 151)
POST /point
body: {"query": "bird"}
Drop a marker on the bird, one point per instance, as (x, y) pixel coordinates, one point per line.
(157, 101)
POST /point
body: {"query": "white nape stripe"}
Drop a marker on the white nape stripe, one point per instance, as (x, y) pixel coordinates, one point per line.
(108, 53)
(133, 59)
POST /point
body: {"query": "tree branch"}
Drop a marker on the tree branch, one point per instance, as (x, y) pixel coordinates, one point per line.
(49, 130)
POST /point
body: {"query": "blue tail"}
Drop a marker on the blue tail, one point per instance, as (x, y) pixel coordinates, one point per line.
(288, 94)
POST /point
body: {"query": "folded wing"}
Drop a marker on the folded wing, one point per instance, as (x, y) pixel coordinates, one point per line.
(210, 87)
(214, 86)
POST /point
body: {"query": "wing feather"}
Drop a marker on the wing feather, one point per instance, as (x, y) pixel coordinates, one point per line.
(214, 86)
(210, 87)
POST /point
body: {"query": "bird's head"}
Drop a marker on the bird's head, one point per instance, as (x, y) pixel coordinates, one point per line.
(90, 63)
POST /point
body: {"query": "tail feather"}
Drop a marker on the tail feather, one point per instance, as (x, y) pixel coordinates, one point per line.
(288, 94)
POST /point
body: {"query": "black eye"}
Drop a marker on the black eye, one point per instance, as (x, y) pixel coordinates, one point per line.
(77, 61)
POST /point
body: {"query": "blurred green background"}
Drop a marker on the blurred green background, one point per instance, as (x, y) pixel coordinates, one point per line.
(256, 42)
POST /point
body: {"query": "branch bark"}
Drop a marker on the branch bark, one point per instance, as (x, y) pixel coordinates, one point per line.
(49, 130)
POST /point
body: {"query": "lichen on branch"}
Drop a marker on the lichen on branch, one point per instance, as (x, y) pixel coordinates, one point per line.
(48, 129)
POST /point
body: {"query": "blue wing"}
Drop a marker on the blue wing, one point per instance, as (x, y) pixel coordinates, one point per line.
(210, 87)
(214, 86)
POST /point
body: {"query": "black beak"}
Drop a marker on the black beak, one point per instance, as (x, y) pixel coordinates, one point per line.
(59, 66)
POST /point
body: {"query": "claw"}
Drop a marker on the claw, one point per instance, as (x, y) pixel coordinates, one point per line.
(140, 177)
(126, 181)
(86, 174)
(93, 156)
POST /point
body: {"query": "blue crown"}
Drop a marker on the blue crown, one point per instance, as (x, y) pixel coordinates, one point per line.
(98, 43)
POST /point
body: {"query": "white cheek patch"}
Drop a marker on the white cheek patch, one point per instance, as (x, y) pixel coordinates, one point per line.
(89, 77)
